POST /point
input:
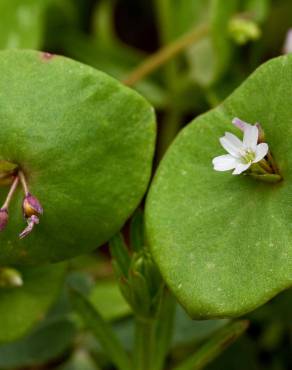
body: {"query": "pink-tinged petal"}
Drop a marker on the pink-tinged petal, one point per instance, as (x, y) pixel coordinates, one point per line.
(231, 144)
(241, 167)
(287, 48)
(260, 152)
(242, 125)
(250, 137)
(224, 162)
(31, 222)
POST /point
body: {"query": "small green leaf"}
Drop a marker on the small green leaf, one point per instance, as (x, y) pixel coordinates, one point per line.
(7, 167)
(22, 307)
(86, 144)
(120, 254)
(222, 242)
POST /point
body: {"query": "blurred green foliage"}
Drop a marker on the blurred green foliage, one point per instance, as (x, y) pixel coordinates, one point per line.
(38, 327)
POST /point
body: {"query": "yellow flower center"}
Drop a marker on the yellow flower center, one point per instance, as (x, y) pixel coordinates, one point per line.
(248, 156)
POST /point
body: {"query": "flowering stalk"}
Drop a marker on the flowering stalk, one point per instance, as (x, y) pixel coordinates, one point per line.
(4, 208)
(31, 207)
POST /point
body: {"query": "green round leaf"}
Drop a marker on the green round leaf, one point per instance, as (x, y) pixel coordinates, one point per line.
(85, 143)
(21, 308)
(223, 242)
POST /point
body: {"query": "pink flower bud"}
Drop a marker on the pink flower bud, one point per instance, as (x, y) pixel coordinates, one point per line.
(31, 206)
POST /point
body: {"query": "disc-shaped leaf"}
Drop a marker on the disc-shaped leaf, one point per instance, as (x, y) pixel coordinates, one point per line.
(85, 143)
(224, 242)
(22, 307)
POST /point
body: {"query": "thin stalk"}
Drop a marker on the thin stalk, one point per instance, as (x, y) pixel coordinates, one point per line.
(165, 25)
(144, 333)
(265, 165)
(169, 127)
(10, 194)
(163, 330)
(214, 347)
(171, 120)
(257, 169)
(23, 182)
(165, 54)
(273, 163)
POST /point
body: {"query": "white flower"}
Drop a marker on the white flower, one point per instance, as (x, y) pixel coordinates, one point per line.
(242, 154)
(287, 48)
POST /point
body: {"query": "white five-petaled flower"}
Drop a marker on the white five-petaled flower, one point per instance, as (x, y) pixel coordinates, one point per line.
(242, 154)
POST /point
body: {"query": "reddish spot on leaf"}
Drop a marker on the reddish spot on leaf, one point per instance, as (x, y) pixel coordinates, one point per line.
(47, 56)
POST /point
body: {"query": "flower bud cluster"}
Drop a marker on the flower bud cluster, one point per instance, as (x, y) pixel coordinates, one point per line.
(139, 279)
(31, 206)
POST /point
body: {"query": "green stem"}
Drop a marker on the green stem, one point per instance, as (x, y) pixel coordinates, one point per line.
(265, 165)
(169, 127)
(101, 330)
(166, 54)
(163, 330)
(212, 98)
(144, 333)
(255, 168)
(273, 163)
(171, 121)
(271, 178)
(214, 347)
(10, 193)
(165, 25)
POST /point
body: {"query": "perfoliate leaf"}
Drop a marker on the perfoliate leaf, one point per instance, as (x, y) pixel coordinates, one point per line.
(85, 143)
(223, 242)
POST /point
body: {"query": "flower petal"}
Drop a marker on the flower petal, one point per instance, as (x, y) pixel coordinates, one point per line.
(231, 144)
(250, 137)
(240, 167)
(234, 140)
(242, 125)
(288, 42)
(224, 162)
(260, 152)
